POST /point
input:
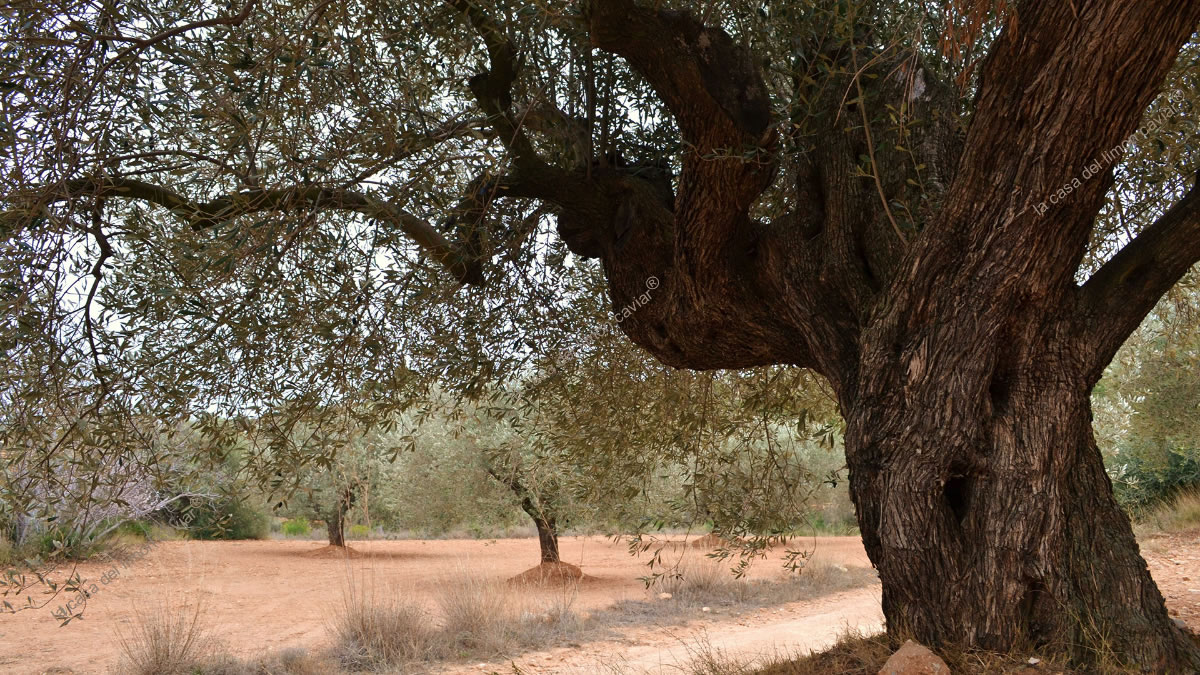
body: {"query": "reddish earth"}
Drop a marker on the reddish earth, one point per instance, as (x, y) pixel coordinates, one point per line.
(1174, 561)
(262, 596)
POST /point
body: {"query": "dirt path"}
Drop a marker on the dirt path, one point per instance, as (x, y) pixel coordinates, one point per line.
(789, 629)
(1174, 561)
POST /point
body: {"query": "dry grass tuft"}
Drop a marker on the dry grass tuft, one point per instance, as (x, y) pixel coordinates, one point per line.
(173, 639)
(474, 618)
(483, 618)
(698, 576)
(853, 654)
(379, 630)
(296, 661)
(1181, 514)
(704, 659)
(699, 580)
(292, 661)
(167, 638)
(479, 616)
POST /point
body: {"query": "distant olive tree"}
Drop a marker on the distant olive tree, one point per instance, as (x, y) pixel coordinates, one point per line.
(350, 466)
(1148, 404)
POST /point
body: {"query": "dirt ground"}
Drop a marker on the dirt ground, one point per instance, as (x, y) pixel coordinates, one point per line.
(261, 596)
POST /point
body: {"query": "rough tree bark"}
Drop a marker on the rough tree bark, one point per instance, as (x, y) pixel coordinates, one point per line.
(547, 531)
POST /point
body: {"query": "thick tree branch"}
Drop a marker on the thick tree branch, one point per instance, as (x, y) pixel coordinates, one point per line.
(717, 95)
(1062, 85)
(690, 274)
(1123, 291)
(454, 128)
(142, 43)
(202, 215)
(1059, 89)
(513, 483)
(682, 270)
(106, 252)
(702, 76)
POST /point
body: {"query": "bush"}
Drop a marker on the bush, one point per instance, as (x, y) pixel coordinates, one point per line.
(1144, 477)
(63, 542)
(837, 525)
(296, 527)
(359, 532)
(229, 518)
(136, 528)
(160, 532)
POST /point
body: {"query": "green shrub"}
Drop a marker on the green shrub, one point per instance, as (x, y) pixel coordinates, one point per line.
(359, 532)
(160, 532)
(296, 527)
(63, 542)
(827, 524)
(1144, 477)
(229, 518)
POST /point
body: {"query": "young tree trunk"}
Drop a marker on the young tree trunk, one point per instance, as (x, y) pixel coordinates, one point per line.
(335, 525)
(547, 537)
(984, 503)
(545, 521)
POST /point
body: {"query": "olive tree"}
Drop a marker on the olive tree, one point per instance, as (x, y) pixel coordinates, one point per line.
(946, 210)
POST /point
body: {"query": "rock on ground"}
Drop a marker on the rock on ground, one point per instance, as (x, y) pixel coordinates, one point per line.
(913, 659)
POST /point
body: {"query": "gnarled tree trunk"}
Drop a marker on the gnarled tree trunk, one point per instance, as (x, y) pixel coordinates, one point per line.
(984, 503)
(335, 526)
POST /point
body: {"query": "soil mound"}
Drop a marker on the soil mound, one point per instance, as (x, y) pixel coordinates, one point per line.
(550, 574)
(336, 552)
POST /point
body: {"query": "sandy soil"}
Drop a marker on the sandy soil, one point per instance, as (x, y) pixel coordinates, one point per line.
(264, 596)
(791, 629)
